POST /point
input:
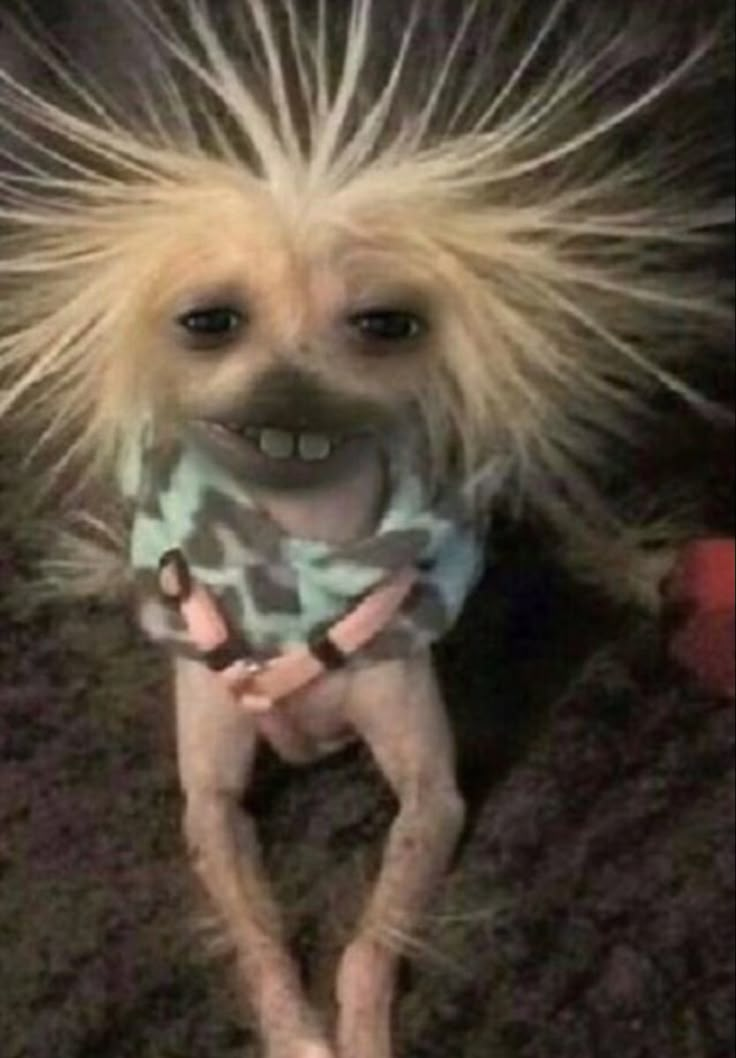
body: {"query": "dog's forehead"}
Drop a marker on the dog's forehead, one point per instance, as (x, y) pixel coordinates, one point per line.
(244, 239)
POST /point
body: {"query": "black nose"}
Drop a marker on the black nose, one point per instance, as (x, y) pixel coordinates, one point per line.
(296, 400)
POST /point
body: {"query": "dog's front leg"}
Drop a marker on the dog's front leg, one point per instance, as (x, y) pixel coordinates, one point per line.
(398, 709)
(217, 743)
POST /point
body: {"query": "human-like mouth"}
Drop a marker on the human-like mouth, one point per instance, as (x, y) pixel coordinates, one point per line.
(298, 457)
(280, 445)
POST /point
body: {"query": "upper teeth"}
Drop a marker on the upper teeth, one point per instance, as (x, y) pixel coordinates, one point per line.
(282, 445)
(314, 447)
(277, 444)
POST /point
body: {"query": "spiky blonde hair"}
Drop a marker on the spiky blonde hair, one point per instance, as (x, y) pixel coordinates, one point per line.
(515, 140)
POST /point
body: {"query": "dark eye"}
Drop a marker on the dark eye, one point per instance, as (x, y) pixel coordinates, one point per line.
(388, 326)
(212, 327)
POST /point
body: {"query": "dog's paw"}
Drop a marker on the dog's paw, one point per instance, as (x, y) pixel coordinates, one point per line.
(311, 1049)
(364, 1046)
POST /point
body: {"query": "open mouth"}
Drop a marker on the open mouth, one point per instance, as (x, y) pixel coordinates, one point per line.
(297, 458)
(281, 445)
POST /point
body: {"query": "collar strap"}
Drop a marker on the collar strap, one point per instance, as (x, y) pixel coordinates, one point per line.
(259, 685)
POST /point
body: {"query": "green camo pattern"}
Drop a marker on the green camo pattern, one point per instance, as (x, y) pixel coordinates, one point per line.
(279, 590)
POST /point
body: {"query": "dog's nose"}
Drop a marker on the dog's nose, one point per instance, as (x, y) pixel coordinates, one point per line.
(288, 396)
(293, 399)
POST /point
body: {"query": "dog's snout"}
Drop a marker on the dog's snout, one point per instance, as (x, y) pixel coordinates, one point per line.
(294, 399)
(288, 394)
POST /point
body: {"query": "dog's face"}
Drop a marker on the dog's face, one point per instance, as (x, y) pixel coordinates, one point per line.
(351, 255)
(295, 337)
(294, 341)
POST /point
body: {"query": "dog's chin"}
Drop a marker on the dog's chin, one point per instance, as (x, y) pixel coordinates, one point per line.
(273, 458)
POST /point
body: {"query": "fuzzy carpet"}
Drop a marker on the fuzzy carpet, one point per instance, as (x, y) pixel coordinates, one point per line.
(589, 914)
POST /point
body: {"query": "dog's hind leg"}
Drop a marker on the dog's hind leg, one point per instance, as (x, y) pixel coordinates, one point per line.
(398, 709)
(217, 744)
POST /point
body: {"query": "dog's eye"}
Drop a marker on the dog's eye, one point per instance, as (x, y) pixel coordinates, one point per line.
(388, 326)
(211, 327)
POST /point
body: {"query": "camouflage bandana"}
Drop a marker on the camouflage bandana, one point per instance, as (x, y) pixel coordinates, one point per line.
(280, 590)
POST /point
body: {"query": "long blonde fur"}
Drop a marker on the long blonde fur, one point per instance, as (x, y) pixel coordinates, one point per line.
(561, 252)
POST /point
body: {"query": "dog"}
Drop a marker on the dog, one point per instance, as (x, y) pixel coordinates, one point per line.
(336, 281)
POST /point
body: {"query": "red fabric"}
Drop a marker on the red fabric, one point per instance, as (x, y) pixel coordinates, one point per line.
(702, 590)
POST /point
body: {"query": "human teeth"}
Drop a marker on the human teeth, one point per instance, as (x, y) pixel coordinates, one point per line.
(314, 447)
(282, 445)
(277, 444)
